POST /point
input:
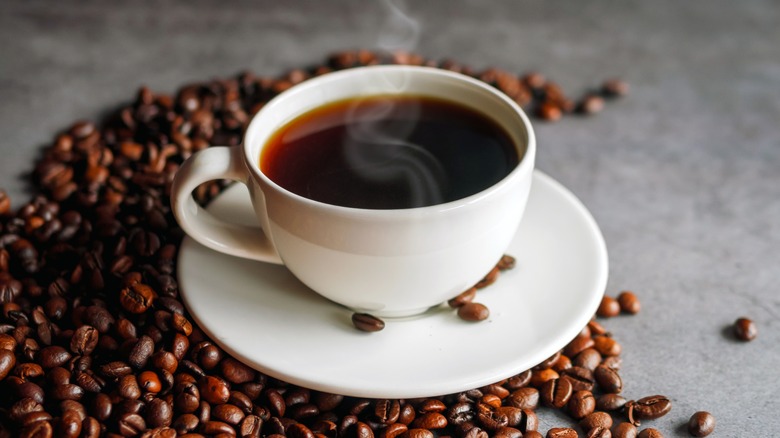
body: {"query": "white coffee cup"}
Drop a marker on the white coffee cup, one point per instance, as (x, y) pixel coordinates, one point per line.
(385, 262)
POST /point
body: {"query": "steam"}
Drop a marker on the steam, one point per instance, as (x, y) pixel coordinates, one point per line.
(378, 146)
(399, 31)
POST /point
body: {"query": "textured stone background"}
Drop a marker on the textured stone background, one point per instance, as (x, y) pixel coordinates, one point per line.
(683, 176)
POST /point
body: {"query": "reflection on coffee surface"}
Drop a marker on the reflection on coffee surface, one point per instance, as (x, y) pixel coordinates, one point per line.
(389, 152)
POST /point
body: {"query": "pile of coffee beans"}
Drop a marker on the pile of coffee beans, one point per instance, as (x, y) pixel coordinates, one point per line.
(94, 340)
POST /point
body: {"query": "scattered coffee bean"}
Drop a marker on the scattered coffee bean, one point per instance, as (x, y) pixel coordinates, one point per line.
(591, 104)
(610, 402)
(581, 404)
(629, 303)
(463, 298)
(596, 419)
(608, 308)
(609, 380)
(614, 88)
(367, 323)
(507, 262)
(648, 408)
(701, 424)
(745, 329)
(556, 392)
(625, 430)
(650, 433)
(473, 312)
(562, 432)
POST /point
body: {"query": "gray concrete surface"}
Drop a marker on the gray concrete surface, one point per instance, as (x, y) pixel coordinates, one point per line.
(683, 176)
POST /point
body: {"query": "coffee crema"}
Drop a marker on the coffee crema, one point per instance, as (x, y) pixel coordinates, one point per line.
(389, 152)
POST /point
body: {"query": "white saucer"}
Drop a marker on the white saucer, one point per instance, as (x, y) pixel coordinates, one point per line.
(265, 317)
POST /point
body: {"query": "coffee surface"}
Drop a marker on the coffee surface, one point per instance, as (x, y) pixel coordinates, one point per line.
(389, 152)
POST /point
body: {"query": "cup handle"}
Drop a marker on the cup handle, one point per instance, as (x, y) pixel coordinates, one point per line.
(217, 162)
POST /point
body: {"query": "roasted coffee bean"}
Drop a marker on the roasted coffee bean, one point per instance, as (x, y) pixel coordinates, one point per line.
(596, 419)
(7, 342)
(473, 312)
(430, 420)
(131, 425)
(490, 400)
(215, 390)
(387, 411)
(562, 432)
(392, 431)
(613, 362)
(577, 345)
(591, 104)
(508, 432)
(609, 380)
(614, 88)
(648, 408)
(431, 405)
(581, 404)
(127, 387)
(507, 262)
(580, 378)
(629, 303)
(701, 424)
(599, 432)
(136, 298)
(276, 402)
(421, 433)
(745, 329)
(610, 402)
(549, 111)
(149, 382)
(159, 413)
(608, 308)
(251, 426)
(532, 434)
(69, 424)
(89, 382)
(460, 413)
(23, 407)
(228, 413)
(101, 407)
(367, 323)
(236, 372)
(625, 430)
(524, 398)
(548, 363)
(115, 369)
(607, 346)
(588, 358)
(556, 392)
(489, 279)
(539, 377)
(53, 356)
(66, 392)
(650, 433)
(530, 421)
(38, 429)
(84, 340)
(463, 298)
(7, 363)
(5, 203)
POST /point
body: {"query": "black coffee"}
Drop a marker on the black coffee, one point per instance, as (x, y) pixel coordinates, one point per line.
(389, 152)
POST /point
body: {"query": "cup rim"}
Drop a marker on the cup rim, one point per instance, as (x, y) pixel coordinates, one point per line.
(525, 164)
